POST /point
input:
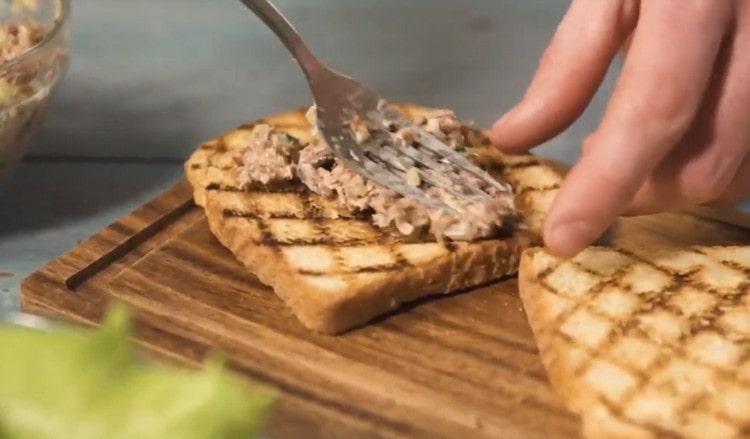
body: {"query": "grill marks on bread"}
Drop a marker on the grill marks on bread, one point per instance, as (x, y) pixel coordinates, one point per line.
(646, 343)
(333, 268)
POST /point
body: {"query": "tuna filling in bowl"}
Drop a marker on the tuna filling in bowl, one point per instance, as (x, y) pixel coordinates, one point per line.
(33, 57)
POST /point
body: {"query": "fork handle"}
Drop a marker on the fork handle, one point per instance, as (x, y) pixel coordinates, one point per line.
(272, 17)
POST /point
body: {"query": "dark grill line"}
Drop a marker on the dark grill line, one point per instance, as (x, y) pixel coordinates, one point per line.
(270, 190)
(371, 269)
(538, 189)
(312, 216)
(324, 241)
(218, 145)
(247, 126)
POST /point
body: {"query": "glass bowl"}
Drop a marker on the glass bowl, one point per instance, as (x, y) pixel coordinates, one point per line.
(34, 56)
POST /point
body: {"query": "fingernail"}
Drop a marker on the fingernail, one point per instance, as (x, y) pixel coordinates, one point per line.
(566, 239)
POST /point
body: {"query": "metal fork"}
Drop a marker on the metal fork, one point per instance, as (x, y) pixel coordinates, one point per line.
(340, 99)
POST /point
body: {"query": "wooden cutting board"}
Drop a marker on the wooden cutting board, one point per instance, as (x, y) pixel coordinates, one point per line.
(460, 366)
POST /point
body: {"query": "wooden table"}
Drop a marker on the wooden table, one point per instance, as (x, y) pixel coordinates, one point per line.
(459, 366)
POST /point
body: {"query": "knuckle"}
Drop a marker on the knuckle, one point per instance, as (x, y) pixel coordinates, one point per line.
(620, 175)
(666, 113)
(621, 182)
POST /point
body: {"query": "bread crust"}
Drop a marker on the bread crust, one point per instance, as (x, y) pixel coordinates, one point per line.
(332, 312)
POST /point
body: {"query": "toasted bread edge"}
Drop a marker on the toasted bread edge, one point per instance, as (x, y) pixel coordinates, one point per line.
(333, 312)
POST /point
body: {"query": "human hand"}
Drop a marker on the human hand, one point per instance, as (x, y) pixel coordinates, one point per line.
(676, 131)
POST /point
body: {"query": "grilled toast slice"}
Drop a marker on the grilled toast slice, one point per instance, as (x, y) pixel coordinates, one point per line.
(337, 271)
(646, 343)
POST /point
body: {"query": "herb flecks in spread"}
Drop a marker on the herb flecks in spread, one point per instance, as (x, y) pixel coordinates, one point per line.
(272, 157)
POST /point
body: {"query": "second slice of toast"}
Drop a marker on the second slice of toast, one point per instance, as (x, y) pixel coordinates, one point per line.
(646, 343)
(335, 270)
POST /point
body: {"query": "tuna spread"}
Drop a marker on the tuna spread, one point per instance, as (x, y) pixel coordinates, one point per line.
(272, 156)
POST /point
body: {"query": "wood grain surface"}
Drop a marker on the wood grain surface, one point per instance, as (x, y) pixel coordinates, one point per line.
(459, 366)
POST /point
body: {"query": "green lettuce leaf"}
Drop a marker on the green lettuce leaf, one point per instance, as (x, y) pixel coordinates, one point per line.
(81, 384)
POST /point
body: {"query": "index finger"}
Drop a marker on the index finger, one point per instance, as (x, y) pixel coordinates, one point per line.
(661, 87)
(589, 35)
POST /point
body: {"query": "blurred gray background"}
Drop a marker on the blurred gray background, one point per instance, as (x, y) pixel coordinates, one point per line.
(154, 78)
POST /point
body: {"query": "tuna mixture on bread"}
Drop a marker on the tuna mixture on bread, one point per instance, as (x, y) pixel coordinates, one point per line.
(274, 157)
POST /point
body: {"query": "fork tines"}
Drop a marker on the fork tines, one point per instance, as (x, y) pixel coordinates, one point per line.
(390, 160)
